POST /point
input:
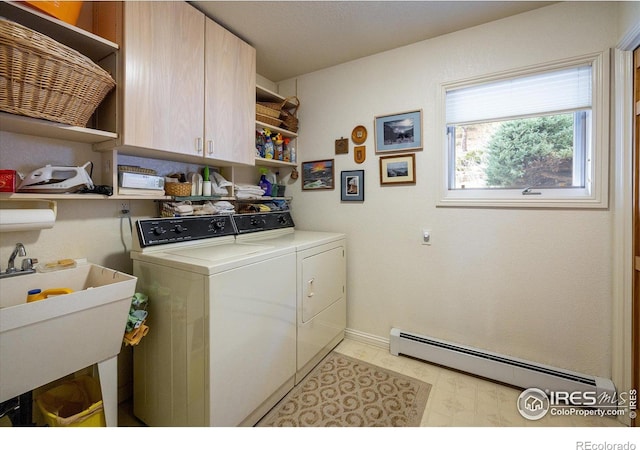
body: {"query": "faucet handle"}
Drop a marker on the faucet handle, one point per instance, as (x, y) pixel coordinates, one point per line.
(27, 263)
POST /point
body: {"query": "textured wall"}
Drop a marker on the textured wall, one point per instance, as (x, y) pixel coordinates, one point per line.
(534, 284)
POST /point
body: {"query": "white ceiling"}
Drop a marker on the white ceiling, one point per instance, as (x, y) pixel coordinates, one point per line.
(296, 37)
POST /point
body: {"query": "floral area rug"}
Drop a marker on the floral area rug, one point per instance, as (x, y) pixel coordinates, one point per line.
(346, 392)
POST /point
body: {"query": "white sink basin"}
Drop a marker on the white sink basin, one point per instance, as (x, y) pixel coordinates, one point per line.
(48, 339)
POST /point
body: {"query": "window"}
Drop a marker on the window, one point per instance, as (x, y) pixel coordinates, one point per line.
(536, 137)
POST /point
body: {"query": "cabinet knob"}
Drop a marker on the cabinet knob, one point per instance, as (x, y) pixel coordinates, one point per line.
(199, 145)
(210, 147)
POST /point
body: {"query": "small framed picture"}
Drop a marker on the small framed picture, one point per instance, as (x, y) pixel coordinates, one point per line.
(399, 132)
(352, 186)
(398, 169)
(318, 175)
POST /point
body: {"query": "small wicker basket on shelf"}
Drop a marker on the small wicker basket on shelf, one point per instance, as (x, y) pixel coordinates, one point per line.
(289, 117)
(268, 109)
(41, 78)
(177, 189)
(268, 120)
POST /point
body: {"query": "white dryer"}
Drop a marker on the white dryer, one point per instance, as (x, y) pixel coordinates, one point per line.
(221, 347)
(320, 281)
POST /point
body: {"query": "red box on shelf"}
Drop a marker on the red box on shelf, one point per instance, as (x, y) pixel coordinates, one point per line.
(7, 180)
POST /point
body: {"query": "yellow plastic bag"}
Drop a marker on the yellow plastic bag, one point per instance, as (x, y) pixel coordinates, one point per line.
(76, 403)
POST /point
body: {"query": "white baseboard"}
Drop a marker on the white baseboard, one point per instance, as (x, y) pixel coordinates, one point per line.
(367, 338)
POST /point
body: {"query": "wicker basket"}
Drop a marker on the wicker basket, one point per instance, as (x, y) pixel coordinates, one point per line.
(42, 78)
(178, 189)
(268, 120)
(289, 118)
(136, 169)
(268, 109)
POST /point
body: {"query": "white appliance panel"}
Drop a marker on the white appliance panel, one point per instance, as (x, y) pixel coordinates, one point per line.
(219, 252)
(322, 312)
(317, 337)
(170, 362)
(323, 281)
(253, 336)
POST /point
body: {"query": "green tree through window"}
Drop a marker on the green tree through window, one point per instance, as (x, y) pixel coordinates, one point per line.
(535, 152)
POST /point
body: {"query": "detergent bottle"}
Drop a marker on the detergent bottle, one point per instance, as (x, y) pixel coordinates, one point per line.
(268, 148)
(37, 294)
(265, 185)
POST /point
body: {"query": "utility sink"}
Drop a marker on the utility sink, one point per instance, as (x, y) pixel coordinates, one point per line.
(48, 339)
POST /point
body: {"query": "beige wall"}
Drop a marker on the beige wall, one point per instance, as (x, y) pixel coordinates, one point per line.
(628, 18)
(534, 284)
(89, 229)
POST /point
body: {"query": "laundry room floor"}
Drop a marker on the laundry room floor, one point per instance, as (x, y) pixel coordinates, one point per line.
(456, 399)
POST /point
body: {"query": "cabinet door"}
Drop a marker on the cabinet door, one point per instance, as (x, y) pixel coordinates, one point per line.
(230, 86)
(164, 76)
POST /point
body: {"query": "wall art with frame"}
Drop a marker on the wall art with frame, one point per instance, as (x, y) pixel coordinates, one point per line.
(398, 169)
(352, 186)
(318, 175)
(399, 132)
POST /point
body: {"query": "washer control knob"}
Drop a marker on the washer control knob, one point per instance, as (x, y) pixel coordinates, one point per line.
(179, 229)
(158, 230)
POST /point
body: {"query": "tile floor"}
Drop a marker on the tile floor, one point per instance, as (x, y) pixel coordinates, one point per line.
(455, 400)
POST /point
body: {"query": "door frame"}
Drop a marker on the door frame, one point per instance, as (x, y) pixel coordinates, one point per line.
(635, 307)
(624, 328)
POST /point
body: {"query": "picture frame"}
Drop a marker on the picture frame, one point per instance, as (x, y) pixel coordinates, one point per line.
(318, 175)
(352, 186)
(398, 169)
(342, 146)
(398, 132)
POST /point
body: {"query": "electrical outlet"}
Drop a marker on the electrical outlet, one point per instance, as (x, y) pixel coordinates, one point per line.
(124, 208)
(426, 237)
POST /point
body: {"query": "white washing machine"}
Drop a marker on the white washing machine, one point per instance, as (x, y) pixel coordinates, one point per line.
(320, 281)
(221, 347)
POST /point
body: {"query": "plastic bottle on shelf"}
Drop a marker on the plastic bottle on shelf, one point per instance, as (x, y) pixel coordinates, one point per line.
(292, 151)
(260, 141)
(286, 151)
(268, 148)
(279, 152)
(265, 185)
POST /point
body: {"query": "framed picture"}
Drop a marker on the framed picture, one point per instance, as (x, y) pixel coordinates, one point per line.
(398, 169)
(398, 132)
(317, 175)
(352, 186)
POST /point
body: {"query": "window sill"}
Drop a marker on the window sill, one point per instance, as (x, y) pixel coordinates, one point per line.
(529, 202)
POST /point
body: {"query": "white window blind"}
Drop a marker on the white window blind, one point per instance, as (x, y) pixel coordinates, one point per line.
(557, 91)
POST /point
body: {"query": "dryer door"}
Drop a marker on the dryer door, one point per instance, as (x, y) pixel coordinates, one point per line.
(323, 281)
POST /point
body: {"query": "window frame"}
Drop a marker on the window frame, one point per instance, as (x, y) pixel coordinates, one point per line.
(596, 192)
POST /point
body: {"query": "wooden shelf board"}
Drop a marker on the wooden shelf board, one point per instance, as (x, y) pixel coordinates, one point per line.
(282, 131)
(45, 128)
(274, 163)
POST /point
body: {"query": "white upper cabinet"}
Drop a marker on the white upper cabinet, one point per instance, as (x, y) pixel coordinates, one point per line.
(230, 86)
(187, 86)
(163, 83)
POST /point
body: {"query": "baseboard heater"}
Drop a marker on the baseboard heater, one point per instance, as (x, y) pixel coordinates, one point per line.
(506, 369)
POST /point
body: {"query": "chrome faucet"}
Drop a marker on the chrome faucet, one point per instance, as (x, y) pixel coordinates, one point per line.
(27, 263)
(18, 251)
